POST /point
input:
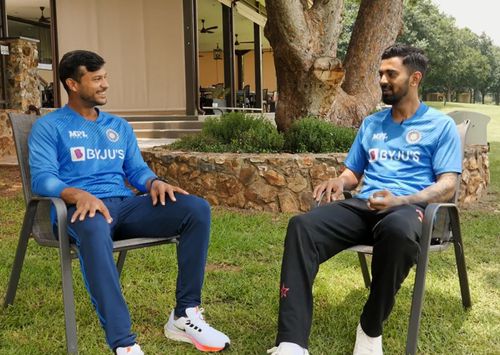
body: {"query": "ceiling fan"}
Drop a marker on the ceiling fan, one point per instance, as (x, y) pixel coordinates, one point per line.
(42, 18)
(208, 29)
(237, 43)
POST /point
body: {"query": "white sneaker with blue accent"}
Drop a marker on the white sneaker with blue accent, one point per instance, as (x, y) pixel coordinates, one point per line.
(193, 329)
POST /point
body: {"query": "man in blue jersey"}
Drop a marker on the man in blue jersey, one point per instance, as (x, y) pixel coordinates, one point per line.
(409, 156)
(84, 156)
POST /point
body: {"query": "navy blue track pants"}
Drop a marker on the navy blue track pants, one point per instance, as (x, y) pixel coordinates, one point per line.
(136, 216)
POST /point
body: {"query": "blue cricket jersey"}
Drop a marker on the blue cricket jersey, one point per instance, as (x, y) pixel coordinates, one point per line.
(67, 150)
(404, 158)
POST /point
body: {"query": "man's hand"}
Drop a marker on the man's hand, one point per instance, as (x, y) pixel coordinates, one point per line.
(333, 189)
(383, 199)
(159, 189)
(86, 204)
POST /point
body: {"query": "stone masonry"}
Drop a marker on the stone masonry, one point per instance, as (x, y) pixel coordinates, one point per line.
(278, 182)
(7, 148)
(22, 78)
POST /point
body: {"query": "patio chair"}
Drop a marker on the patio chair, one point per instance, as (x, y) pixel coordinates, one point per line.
(440, 229)
(37, 224)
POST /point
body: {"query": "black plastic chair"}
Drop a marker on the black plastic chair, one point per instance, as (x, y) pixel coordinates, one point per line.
(37, 224)
(440, 230)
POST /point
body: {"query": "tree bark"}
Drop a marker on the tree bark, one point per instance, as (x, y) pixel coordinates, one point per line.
(311, 79)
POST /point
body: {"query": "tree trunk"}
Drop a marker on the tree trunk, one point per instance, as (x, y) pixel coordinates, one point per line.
(311, 79)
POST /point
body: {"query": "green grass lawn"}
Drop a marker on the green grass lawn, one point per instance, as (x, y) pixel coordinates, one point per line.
(493, 111)
(241, 291)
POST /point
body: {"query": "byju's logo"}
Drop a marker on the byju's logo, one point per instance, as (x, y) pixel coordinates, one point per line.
(77, 154)
(77, 134)
(397, 155)
(373, 154)
(82, 154)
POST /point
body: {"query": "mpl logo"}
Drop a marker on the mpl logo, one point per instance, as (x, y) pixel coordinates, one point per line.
(382, 136)
(77, 134)
(77, 153)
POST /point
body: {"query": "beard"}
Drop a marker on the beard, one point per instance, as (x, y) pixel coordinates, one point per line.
(93, 99)
(391, 97)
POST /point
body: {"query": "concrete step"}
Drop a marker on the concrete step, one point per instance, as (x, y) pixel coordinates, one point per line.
(161, 118)
(154, 125)
(164, 133)
(145, 143)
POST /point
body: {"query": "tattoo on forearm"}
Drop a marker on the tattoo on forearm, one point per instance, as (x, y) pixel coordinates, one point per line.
(442, 191)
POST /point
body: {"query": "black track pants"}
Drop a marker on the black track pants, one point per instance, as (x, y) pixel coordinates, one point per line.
(316, 236)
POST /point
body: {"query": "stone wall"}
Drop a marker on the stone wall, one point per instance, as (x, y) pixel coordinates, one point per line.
(476, 174)
(278, 182)
(7, 148)
(268, 182)
(21, 68)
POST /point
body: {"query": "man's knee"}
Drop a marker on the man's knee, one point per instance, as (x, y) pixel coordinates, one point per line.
(405, 224)
(298, 222)
(397, 242)
(91, 226)
(198, 209)
(297, 226)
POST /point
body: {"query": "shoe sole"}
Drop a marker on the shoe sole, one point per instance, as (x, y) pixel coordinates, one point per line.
(182, 336)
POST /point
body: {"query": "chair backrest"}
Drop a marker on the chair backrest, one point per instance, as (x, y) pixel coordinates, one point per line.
(42, 226)
(462, 127)
(441, 232)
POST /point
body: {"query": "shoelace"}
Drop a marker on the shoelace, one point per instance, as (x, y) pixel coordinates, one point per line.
(198, 322)
(273, 351)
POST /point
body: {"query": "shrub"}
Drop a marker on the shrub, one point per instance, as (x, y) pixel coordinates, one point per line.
(198, 143)
(311, 134)
(234, 132)
(238, 132)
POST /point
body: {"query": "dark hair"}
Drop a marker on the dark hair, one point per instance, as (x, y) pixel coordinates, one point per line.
(71, 63)
(413, 58)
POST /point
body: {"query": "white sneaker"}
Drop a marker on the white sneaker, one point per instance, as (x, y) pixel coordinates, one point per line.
(366, 345)
(286, 348)
(129, 350)
(193, 329)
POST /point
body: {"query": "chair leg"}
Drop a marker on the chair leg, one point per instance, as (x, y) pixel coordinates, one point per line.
(121, 261)
(67, 281)
(460, 259)
(419, 286)
(22, 245)
(69, 303)
(415, 313)
(364, 269)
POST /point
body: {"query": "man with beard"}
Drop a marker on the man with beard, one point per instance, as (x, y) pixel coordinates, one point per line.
(409, 156)
(84, 155)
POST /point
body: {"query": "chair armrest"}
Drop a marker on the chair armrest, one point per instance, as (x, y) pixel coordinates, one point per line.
(430, 216)
(61, 213)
